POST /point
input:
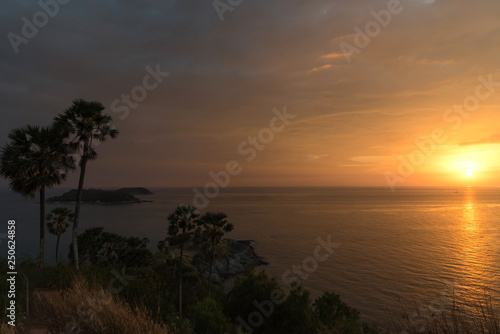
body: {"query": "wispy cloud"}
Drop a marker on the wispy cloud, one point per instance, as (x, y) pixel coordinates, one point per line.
(494, 139)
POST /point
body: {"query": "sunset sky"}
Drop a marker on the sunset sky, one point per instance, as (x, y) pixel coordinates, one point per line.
(356, 113)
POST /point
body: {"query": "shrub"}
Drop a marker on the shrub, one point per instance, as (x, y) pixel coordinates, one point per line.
(208, 318)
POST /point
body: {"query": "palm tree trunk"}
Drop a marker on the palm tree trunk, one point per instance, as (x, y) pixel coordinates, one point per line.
(210, 270)
(42, 226)
(83, 166)
(180, 275)
(57, 248)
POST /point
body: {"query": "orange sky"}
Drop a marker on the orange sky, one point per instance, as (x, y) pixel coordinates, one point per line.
(355, 115)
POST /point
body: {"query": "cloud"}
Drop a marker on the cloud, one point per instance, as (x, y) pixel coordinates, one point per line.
(226, 77)
(324, 67)
(494, 139)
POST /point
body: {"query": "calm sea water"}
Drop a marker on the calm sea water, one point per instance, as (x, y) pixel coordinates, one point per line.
(410, 245)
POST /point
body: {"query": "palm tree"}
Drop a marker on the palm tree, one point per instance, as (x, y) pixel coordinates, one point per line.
(182, 222)
(36, 158)
(84, 124)
(215, 226)
(59, 221)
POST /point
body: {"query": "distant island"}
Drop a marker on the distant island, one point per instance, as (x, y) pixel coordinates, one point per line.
(100, 196)
(135, 191)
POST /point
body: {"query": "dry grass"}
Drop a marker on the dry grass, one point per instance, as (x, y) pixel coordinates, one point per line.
(465, 314)
(6, 329)
(91, 311)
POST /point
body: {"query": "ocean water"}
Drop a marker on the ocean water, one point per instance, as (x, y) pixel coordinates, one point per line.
(413, 246)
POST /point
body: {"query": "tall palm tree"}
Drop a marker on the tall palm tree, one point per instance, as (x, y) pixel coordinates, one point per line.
(215, 226)
(59, 220)
(182, 222)
(36, 158)
(84, 124)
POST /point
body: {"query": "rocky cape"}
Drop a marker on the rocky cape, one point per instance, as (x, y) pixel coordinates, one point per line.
(100, 196)
(242, 255)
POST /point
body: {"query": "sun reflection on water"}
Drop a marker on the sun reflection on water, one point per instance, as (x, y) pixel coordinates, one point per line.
(474, 257)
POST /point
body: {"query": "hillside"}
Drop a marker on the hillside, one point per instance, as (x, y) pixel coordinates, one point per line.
(135, 191)
(96, 196)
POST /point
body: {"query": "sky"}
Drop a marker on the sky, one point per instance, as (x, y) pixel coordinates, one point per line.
(265, 93)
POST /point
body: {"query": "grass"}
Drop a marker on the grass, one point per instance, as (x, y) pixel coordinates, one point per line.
(464, 314)
(92, 311)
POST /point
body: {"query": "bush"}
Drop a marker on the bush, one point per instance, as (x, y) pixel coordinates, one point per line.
(335, 315)
(208, 318)
(95, 246)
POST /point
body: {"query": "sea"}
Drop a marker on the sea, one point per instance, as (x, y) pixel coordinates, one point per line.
(416, 247)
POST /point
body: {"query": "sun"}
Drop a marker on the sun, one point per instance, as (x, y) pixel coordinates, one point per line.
(468, 168)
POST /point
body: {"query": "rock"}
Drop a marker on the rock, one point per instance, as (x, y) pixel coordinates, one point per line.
(242, 255)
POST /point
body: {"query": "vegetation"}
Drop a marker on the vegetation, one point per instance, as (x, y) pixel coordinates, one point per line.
(181, 224)
(59, 221)
(111, 297)
(467, 313)
(118, 285)
(113, 294)
(83, 124)
(213, 226)
(95, 196)
(134, 191)
(36, 158)
(110, 250)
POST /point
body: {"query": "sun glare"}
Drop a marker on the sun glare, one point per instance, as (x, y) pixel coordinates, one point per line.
(468, 168)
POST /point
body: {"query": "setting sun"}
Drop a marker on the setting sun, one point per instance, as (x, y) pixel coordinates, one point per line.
(468, 168)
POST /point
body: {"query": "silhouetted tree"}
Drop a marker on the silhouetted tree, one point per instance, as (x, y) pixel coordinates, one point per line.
(107, 249)
(215, 226)
(84, 124)
(59, 220)
(36, 158)
(182, 222)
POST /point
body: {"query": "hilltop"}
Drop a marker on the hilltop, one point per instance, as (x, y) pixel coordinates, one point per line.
(99, 196)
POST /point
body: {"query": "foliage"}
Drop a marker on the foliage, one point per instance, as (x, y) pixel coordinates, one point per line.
(181, 226)
(335, 315)
(35, 158)
(149, 299)
(82, 124)
(248, 290)
(109, 249)
(59, 220)
(212, 227)
(96, 196)
(295, 315)
(208, 317)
